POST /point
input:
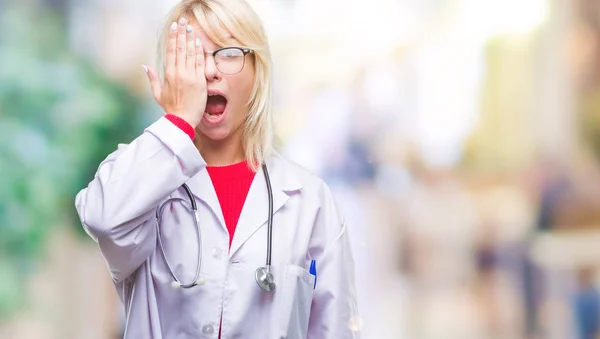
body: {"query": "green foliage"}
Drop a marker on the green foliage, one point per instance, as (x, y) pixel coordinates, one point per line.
(59, 117)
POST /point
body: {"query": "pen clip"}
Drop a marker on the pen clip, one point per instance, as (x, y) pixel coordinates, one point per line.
(313, 271)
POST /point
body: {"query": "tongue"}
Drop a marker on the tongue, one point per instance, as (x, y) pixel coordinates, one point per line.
(215, 104)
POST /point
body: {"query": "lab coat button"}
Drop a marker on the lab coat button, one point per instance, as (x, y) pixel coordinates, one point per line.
(208, 330)
(217, 253)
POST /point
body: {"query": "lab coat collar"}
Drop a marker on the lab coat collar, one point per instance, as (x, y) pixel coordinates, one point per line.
(202, 187)
(255, 211)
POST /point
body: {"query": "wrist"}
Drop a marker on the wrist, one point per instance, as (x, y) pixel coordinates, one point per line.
(191, 119)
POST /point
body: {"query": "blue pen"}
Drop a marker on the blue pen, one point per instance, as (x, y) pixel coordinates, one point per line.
(313, 271)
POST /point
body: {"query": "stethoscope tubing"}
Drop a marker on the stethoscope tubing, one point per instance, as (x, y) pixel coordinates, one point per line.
(270, 218)
(193, 207)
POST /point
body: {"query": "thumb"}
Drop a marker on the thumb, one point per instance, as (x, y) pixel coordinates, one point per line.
(155, 84)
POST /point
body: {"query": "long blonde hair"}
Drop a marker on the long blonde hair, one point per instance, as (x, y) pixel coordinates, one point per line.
(219, 18)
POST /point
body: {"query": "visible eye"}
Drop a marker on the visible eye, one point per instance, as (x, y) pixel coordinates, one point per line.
(230, 53)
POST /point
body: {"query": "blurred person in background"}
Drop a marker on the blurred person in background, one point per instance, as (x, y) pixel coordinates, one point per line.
(183, 216)
(586, 305)
(553, 187)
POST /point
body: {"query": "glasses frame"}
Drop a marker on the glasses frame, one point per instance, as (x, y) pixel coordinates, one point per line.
(244, 50)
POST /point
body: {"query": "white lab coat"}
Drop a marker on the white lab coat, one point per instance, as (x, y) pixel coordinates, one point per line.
(117, 209)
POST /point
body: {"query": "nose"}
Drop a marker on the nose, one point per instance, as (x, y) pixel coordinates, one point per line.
(210, 68)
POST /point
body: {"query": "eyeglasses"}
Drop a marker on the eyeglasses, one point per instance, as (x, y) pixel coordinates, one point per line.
(230, 60)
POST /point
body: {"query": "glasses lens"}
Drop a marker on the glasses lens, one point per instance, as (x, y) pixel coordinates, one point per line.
(230, 60)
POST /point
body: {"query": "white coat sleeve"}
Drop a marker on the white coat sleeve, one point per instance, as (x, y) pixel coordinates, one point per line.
(117, 207)
(334, 311)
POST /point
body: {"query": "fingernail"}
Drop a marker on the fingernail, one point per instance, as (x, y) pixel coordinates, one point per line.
(174, 26)
(189, 29)
(197, 42)
(182, 21)
(145, 68)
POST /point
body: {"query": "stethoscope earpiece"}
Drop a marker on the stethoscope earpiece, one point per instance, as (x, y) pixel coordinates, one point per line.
(264, 277)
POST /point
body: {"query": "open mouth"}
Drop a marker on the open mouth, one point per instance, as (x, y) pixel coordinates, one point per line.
(215, 104)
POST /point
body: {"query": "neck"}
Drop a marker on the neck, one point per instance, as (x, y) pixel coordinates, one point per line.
(222, 152)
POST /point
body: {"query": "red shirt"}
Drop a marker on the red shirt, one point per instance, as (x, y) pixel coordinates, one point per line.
(232, 184)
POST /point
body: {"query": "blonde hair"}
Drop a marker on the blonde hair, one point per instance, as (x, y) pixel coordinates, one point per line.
(219, 18)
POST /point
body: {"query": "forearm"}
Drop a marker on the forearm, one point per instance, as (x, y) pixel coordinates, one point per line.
(129, 184)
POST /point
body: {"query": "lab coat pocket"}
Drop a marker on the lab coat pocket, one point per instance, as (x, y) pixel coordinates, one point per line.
(297, 290)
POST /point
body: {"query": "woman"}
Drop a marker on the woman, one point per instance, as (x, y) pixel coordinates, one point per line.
(215, 137)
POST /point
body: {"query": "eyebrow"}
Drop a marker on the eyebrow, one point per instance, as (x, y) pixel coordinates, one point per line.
(231, 39)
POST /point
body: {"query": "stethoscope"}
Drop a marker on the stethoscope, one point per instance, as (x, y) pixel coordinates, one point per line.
(263, 275)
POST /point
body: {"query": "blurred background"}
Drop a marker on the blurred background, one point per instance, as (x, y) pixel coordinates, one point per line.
(460, 137)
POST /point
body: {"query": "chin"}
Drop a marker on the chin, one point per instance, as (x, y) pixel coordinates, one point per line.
(216, 134)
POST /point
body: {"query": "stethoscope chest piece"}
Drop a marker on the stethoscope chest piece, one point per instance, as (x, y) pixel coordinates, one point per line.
(264, 279)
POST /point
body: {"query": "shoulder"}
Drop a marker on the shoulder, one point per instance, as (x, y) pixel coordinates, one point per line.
(310, 186)
(298, 174)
